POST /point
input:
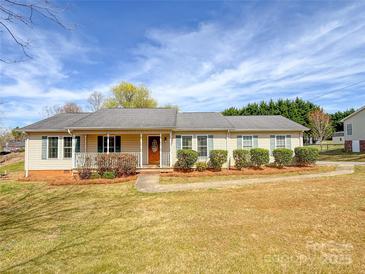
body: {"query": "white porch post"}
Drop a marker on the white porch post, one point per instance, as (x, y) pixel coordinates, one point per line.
(73, 152)
(140, 150)
(85, 149)
(107, 143)
(160, 150)
(26, 163)
(170, 162)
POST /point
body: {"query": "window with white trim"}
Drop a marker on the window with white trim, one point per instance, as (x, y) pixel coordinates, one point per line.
(111, 143)
(67, 147)
(202, 146)
(187, 142)
(247, 142)
(349, 129)
(280, 141)
(52, 147)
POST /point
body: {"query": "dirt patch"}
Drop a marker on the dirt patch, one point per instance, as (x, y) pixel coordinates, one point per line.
(74, 180)
(11, 158)
(245, 171)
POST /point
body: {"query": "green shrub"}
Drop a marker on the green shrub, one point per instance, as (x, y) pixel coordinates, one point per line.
(241, 158)
(283, 156)
(305, 156)
(186, 158)
(108, 175)
(95, 175)
(201, 166)
(259, 156)
(217, 158)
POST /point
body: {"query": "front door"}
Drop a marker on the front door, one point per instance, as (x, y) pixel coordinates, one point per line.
(153, 150)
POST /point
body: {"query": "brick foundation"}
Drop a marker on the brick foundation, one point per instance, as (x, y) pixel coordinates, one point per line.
(348, 146)
(49, 173)
(362, 145)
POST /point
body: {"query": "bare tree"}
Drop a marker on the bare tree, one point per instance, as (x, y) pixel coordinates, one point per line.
(23, 12)
(49, 111)
(320, 124)
(95, 100)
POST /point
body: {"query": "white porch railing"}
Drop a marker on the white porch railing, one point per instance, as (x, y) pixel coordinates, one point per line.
(80, 158)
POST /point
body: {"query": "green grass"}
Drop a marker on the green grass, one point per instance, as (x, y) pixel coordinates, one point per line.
(213, 178)
(281, 227)
(341, 155)
(18, 166)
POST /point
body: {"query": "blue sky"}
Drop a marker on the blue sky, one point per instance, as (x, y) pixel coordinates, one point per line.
(200, 55)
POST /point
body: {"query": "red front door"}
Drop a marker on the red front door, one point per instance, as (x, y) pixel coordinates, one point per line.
(153, 150)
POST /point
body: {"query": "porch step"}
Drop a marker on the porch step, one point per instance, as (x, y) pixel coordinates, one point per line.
(154, 170)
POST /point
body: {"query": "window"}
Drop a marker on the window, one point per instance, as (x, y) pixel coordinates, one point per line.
(280, 141)
(187, 142)
(111, 143)
(349, 129)
(203, 146)
(53, 147)
(246, 141)
(67, 147)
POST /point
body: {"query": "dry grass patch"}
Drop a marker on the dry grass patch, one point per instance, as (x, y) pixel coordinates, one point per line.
(308, 227)
(247, 173)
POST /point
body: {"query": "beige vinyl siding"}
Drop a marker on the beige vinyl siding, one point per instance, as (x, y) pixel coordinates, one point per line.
(358, 126)
(219, 140)
(34, 153)
(263, 140)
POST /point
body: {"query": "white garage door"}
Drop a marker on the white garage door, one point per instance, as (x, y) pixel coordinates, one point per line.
(356, 146)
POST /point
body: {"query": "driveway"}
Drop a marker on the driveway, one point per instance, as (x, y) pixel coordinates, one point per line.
(150, 183)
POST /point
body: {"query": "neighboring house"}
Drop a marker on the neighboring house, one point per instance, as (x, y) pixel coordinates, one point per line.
(14, 146)
(152, 135)
(354, 126)
(338, 137)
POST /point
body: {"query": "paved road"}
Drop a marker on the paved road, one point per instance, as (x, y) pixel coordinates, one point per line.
(150, 183)
(340, 163)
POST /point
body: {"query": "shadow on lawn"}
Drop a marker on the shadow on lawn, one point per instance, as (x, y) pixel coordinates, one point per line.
(62, 214)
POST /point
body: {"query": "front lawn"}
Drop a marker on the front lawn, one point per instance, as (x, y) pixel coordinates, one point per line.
(14, 167)
(309, 227)
(340, 155)
(246, 173)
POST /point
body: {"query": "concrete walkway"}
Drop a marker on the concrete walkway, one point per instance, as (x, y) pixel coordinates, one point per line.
(150, 182)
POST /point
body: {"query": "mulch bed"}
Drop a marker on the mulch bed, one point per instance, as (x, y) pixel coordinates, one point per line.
(244, 171)
(74, 180)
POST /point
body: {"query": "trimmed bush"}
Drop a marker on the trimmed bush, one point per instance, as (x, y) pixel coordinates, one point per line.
(125, 165)
(283, 156)
(201, 166)
(259, 156)
(186, 158)
(85, 171)
(108, 175)
(305, 156)
(241, 158)
(217, 158)
(121, 164)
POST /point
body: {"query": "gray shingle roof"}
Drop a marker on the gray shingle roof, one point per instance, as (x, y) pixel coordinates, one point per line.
(201, 120)
(118, 118)
(264, 122)
(57, 122)
(122, 118)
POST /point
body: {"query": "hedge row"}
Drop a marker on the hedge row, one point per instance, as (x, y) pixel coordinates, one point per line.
(282, 157)
(186, 159)
(109, 166)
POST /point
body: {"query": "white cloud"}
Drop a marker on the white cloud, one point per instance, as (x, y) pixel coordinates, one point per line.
(212, 66)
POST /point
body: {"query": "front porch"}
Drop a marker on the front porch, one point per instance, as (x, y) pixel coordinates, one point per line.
(151, 149)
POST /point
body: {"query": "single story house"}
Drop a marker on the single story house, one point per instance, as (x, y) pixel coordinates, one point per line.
(60, 142)
(354, 126)
(338, 137)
